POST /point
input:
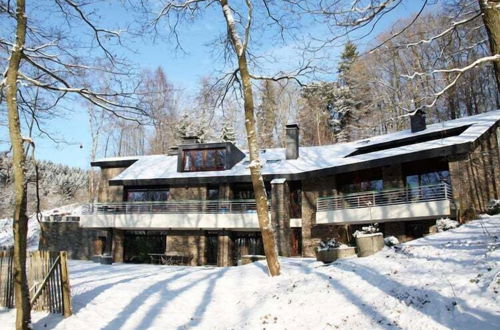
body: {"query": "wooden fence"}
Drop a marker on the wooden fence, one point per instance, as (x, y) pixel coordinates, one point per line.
(48, 281)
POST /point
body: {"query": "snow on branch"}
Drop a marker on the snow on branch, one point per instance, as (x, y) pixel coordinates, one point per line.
(287, 76)
(458, 71)
(450, 29)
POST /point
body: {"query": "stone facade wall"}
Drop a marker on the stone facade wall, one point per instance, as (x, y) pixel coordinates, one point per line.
(475, 178)
(191, 242)
(118, 241)
(280, 217)
(311, 190)
(225, 250)
(225, 191)
(107, 193)
(188, 193)
(68, 236)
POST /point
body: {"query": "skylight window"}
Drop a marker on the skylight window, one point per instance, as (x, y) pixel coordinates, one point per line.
(413, 139)
(273, 161)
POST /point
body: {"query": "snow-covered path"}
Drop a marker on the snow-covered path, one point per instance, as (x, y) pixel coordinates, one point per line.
(448, 280)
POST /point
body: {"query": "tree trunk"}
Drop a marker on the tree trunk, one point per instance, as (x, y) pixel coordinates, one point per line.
(491, 18)
(265, 225)
(20, 225)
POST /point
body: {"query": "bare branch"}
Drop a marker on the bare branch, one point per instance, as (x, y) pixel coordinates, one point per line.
(450, 29)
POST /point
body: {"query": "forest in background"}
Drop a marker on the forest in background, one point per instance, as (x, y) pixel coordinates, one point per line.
(58, 185)
(370, 93)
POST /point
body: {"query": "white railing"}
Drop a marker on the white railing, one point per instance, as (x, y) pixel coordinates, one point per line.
(418, 194)
(175, 207)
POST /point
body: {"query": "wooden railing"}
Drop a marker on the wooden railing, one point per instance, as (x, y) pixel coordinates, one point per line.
(48, 280)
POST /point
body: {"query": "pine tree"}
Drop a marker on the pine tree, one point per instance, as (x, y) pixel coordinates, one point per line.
(189, 127)
(342, 108)
(228, 134)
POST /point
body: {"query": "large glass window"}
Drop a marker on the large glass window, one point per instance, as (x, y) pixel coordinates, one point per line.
(361, 181)
(203, 160)
(426, 185)
(212, 192)
(147, 195)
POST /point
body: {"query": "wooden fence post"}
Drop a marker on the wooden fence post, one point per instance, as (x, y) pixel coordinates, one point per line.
(66, 291)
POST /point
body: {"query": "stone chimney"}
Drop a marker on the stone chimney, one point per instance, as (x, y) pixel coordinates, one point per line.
(417, 121)
(292, 141)
(190, 139)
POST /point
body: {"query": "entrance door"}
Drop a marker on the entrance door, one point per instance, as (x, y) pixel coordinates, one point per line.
(212, 248)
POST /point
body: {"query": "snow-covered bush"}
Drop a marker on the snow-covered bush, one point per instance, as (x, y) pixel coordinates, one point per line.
(391, 241)
(493, 207)
(367, 230)
(444, 224)
(330, 245)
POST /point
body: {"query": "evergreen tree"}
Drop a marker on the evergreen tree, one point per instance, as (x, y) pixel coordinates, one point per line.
(228, 134)
(342, 107)
(189, 127)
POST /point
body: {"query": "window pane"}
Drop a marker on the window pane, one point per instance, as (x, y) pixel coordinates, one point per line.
(155, 195)
(204, 160)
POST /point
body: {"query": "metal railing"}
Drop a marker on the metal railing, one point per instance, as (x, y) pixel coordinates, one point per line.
(418, 194)
(188, 206)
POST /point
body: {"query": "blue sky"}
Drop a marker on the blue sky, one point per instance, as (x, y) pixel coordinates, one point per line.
(184, 69)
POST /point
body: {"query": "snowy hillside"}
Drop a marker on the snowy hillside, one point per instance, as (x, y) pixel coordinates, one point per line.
(448, 280)
(7, 240)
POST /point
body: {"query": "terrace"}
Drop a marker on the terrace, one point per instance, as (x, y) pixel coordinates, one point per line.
(189, 214)
(420, 202)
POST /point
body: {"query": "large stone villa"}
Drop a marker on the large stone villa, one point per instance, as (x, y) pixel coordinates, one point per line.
(197, 201)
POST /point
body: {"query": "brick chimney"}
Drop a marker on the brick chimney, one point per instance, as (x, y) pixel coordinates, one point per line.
(417, 121)
(292, 141)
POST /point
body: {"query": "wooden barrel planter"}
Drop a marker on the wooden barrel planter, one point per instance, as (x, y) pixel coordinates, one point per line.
(369, 244)
(331, 255)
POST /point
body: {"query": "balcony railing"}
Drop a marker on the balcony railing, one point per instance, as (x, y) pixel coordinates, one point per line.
(173, 207)
(418, 194)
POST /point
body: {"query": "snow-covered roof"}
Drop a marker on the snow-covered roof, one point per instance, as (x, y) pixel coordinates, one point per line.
(318, 158)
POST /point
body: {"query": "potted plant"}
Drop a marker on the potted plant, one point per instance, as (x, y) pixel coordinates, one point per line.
(369, 240)
(331, 250)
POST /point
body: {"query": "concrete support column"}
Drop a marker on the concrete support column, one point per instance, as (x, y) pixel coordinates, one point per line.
(225, 246)
(118, 239)
(280, 215)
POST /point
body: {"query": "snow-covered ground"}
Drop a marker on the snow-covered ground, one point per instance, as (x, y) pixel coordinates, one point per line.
(447, 280)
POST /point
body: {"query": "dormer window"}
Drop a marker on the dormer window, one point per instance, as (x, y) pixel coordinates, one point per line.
(216, 156)
(194, 160)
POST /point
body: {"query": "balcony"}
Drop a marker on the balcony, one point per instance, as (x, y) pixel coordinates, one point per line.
(422, 202)
(206, 214)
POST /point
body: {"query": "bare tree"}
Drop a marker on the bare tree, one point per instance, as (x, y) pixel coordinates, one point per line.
(161, 100)
(357, 19)
(242, 19)
(59, 60)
